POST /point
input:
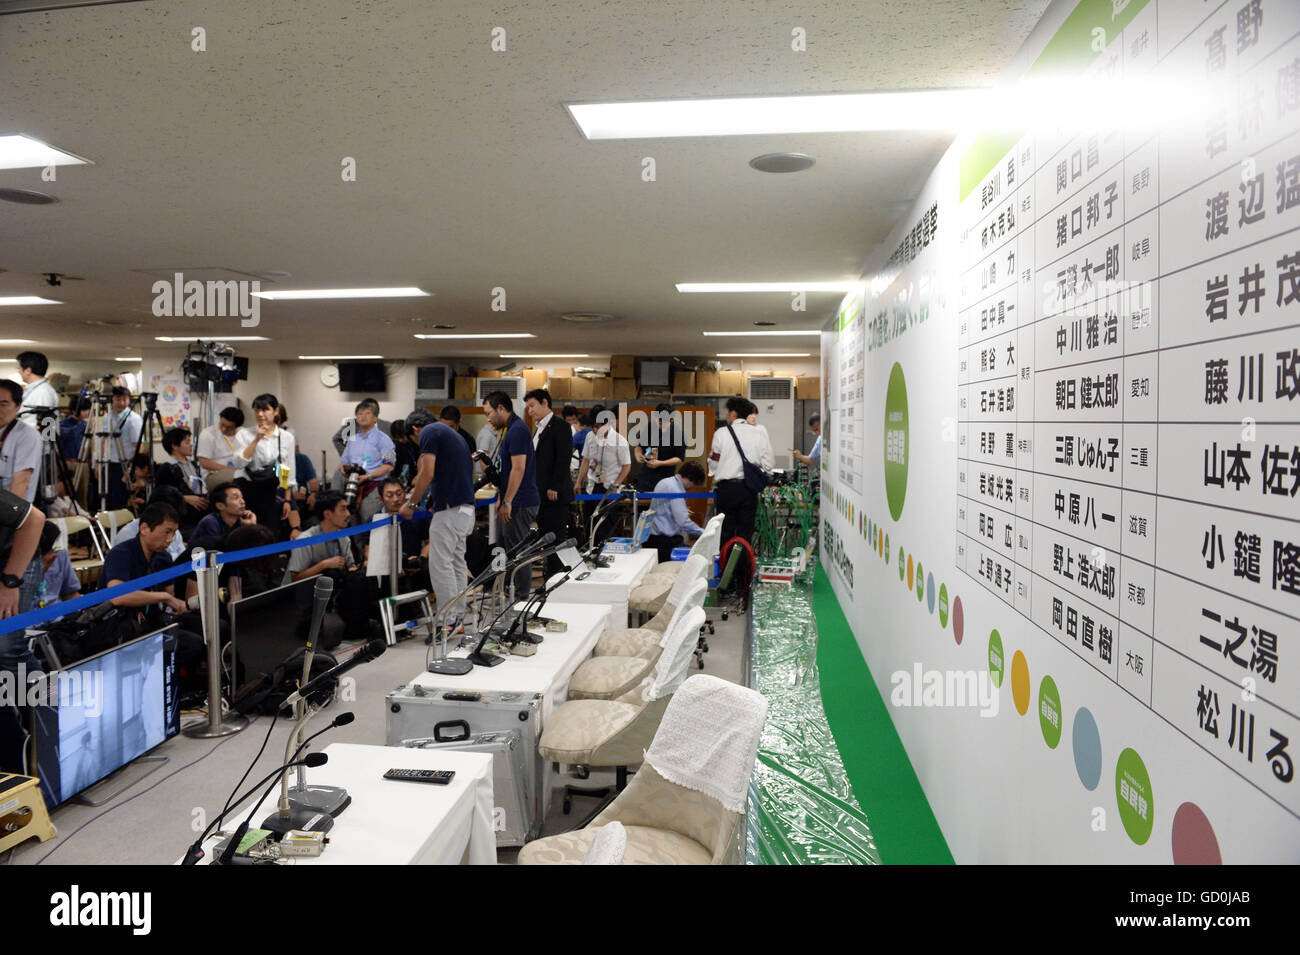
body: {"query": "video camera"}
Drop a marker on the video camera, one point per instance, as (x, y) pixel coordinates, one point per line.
(490, 473)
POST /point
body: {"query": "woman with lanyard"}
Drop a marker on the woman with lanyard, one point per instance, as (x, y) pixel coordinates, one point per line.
(179, 472)
(266, 463)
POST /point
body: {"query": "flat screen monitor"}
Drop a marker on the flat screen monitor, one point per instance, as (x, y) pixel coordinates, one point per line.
(367, 376)
(104, 712)
(268, 627)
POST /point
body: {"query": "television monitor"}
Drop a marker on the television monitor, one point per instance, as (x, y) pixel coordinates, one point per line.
(105, 711)
(267, 627)
(432, 383)
(367, 376)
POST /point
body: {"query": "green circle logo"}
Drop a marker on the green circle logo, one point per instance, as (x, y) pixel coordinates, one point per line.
(1137, 806)
(920, 584)
(1049, 711)
(943, 606)
(900, 550)
(896, 442)
(996, 664)
(902, 566)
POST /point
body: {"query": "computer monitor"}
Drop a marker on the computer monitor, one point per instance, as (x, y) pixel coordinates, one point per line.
(268, 627)
(105, 711)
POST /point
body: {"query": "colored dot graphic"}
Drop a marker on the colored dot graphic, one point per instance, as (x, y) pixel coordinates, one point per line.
(1020, 683)
(1049, 710)
(902, 566)
(920, 582)
(1137, 806)
(909, 571)
(1194, 842)
(929, 592)
(943, 606)
(1087, 748)
(997, 665)
(958, 620)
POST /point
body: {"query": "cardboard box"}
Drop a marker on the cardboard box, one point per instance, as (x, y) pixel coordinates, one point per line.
(809, 389)
(487, 373)
(580, 388)
(755, 373)
(731, 382)
(706, 383)
(560, 387)
(622, 366)
(560, 373)
(534, 378)
(623, 389)
(464, 388)
(684, 382)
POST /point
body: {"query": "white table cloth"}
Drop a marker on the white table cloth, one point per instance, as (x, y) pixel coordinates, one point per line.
(610, 586)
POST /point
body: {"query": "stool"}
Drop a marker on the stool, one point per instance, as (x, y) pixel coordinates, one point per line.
(22, 811)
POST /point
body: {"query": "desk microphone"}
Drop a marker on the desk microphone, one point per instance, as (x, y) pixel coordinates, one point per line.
(311, 759)
(320, 600)
(195, 851)
(367, 653)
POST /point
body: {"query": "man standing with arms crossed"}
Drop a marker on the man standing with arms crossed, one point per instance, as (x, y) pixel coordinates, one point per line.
(445, 463)
(518, 500)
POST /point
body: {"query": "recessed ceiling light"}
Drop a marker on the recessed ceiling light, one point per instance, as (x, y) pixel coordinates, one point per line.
(339, 357)
(135, 358)
(27, 300)
(23, 152)
(16, 341)
(782, 162)
(485, 335)
(763, 354)
(757, 115)
(223, 338)
(27, 197)
(816, 332)
(400, 292)
(545, 356)
(845, 285)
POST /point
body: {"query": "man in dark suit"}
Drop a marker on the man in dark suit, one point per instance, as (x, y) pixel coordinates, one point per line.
(553, 447)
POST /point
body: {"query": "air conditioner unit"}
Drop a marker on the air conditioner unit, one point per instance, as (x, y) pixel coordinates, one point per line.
(775, 400)
(514, 387)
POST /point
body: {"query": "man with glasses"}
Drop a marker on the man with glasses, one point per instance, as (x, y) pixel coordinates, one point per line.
(20, 446)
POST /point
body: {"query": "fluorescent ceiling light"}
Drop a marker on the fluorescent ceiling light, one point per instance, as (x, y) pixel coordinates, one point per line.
(22, 152)
(16, 341)
(222, 338)
(136, 358)
(545, 356)
(759, 115)
(847, 285)
(27, 300)
(403, 292)
(492, 335)
(812, 331)
(763, 354)
(334, 357)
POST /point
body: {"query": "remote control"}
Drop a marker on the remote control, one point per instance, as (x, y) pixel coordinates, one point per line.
(441, 776)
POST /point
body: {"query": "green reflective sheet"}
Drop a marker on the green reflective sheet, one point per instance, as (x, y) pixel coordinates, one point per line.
(801, 809)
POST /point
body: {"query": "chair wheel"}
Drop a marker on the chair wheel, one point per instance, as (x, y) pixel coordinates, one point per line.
(724, 615)
(568, 805)
(700, 663)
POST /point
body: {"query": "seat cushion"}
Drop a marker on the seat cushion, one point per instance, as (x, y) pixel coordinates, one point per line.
(604, 678)
(645, 846)
(635, 642)
(669, 568)
(575, 728)
(649, 595)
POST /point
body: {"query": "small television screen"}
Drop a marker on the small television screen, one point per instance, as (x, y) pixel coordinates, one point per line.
(367, 376)
(432, 382)
(103, 712)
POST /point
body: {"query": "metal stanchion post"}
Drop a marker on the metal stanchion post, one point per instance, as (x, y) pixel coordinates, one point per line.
(216, 724)
(394, 554)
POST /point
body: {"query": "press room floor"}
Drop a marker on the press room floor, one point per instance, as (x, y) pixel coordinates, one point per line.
(154, 821)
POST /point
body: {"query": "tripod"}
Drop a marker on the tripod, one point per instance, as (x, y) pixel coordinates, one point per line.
(103, 435)
(151, 430)
(53, 467)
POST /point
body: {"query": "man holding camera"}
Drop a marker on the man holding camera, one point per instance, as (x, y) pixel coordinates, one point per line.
(372, 451)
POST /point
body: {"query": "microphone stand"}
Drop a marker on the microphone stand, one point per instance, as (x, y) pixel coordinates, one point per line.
(195, 851)
(598, 518)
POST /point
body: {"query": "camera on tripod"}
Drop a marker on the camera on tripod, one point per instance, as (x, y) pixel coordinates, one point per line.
(354, 474)
(490, 473)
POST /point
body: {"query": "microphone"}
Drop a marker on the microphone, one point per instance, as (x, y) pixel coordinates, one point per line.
(367, 653)
(320, 600)
(311, 760)
(529, 553)
(195, 851)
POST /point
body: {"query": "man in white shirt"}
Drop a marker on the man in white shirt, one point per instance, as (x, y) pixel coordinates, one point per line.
(20, 446)
(737, 503)
(37, 391)
(124, 431)
(219, 445)
(606, 461)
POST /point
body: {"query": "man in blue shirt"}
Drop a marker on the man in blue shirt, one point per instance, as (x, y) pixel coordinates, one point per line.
(373, 450)
(671, 517)
(59, 581)
(813, 457)
(517, 499)
(445, 464)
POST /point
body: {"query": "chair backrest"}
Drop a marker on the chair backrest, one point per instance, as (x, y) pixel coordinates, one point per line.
(707, 544)
(113, 521)
(678, 649)
(691, 596)
(608, 847)
(694, 568)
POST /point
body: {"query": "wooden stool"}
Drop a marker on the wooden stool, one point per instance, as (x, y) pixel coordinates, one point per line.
(22, 811)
